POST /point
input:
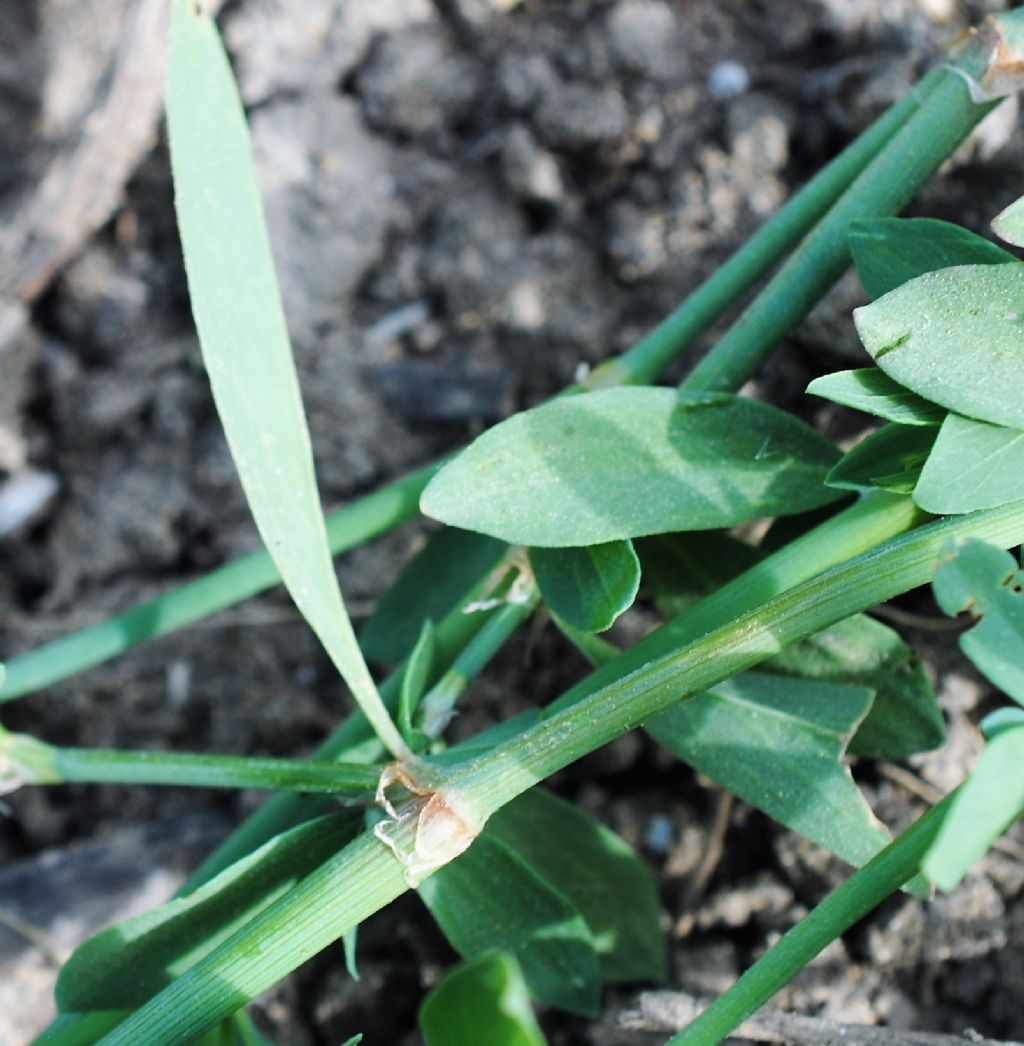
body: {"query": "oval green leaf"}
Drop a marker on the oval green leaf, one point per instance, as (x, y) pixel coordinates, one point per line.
(778, 743)
(987, 581)
(621, 463)
(872, 391)
(589, 587)
(482, 999)
(599, 874)
(491, 898)
(955, 337)
(889, 252)
(973, 465)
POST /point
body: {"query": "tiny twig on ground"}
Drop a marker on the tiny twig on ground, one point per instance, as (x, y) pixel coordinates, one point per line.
(671, 1011)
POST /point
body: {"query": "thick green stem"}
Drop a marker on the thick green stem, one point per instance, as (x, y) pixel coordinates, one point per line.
(884, 187)
(761, 252)
(881, 877)
(366, 875)
(25, 760)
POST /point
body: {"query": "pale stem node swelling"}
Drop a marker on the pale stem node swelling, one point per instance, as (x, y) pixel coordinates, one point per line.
(1004, 60)
(439, 830)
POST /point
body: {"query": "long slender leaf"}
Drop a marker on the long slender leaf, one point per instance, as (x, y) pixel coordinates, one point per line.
(124, 966)
(244, 340)
(871, 390)
(621, 463)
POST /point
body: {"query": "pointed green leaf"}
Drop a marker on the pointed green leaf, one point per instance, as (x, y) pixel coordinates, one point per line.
(416, 678)
(598, 873)
(988, 802)
(590, 586)
(973, 465)
(889, 459)
(987, 582)
(450, 565)
(1008, 224)
(491, 898)
(621, 463)
(125, 965)
(955, 337)
(243, 337)
(485, 999)
(872, 391)
(778, 744)
(905, 717)
(889, 252)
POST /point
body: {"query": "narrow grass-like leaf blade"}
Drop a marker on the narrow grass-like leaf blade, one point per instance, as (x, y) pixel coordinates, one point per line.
(600, 875)
(872, 391)
(889, 252)
(778, 744)
(955, 337)
(491, 898)
(125, 965)
(590, 586)
(973, 465)
(987, 582)
(889, 459)
(621, 463)
(484, 999)
(242, 332)
(416, 678)
(988, 802)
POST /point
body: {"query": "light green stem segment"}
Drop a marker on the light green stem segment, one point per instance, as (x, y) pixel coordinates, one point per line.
(645, 360)
(365, 876)
(884, 187)
(216, 591)
(25, 760)
(881, 877)
(391, 505)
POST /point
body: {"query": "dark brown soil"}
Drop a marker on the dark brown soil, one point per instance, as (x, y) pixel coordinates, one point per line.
(466, 205)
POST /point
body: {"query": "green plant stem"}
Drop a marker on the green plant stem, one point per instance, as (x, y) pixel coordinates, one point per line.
(398, 501)
(439, 702)
(882, 876)
(30, 761)
(221, 588)
(883, 188)
(645, 360)
(366, 875)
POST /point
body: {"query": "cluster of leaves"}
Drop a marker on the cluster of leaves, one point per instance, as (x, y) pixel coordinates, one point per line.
(602, 491)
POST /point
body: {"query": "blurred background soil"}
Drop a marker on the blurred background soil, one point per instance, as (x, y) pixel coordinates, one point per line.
(469, 201)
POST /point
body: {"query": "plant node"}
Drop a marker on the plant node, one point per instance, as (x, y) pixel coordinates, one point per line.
(425, 830)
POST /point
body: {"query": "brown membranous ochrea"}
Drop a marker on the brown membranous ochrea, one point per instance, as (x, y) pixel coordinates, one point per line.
(424, 831)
